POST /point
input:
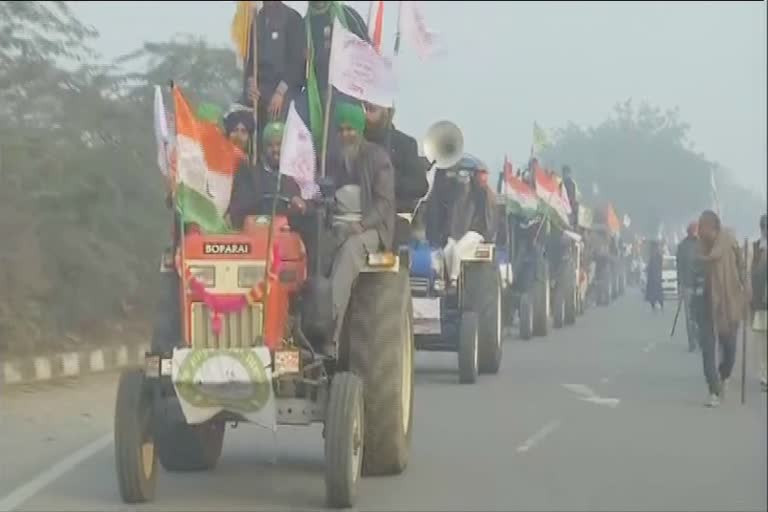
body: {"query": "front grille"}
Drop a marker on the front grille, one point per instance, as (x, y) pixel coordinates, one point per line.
(419, 286)
(238, 330)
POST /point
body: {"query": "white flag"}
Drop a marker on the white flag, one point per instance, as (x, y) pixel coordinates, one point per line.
(356, 69)
(415, 31)
(297, 154)
(161, 132)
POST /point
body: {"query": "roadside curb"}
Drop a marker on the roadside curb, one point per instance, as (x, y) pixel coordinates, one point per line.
(70, 364)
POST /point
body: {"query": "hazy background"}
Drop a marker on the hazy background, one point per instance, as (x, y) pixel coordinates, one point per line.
(506, 64)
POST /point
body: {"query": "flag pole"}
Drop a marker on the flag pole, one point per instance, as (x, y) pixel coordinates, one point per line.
(326, 126)
(327, 113)
(397, 34)
(253, 47)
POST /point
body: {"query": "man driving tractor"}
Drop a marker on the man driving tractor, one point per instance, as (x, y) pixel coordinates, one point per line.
(253, 184)
(461, 214)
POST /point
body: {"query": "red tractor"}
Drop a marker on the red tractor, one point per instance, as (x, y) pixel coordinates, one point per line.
(252, 322)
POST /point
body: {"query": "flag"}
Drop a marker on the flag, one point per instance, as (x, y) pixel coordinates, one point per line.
(518, 195)
(376, 23)
(548, 190)
(415, 31)
(611, 219)
(241, 30)
(297, 153)
(161, 132)
(205, 166)
(539, 139)
(358, 71)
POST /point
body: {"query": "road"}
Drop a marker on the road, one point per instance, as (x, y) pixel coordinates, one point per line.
(606, 415)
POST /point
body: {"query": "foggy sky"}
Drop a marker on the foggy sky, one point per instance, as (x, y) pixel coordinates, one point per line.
(506, 64)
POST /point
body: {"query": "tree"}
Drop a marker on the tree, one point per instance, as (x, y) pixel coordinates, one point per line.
(82, 216)
(644, 162)
(204, 72)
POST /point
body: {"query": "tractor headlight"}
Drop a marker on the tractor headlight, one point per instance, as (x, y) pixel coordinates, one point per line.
(249, 276)
(204, 274)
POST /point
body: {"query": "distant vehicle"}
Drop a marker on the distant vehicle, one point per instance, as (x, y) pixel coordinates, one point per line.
(669, 276)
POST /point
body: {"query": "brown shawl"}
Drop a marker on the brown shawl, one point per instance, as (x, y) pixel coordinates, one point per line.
(725, 279)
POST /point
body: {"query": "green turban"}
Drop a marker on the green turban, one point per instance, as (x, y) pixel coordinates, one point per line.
(209, 112)
(352, 114)
(273, 129)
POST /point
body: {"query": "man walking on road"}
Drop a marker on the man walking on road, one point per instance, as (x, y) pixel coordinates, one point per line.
(686, 259)
(720, 293)
(760, 300)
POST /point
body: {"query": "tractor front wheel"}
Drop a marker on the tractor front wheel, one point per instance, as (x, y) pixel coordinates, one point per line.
(135, 454)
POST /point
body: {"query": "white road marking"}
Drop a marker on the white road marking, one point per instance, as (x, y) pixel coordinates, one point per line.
(21, 494)
(610, 402)
(581, 389)
(539, 436)
(588, 395)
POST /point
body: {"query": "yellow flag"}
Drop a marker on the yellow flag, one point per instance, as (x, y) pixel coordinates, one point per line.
(539, 138)
(241, 30)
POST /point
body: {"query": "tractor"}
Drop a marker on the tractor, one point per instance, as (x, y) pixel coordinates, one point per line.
(240, 340)
(467, 318)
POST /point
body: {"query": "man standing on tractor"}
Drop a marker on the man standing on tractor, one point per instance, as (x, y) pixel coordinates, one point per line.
(251, 184)
(410, 169)
(461, 214)
(281, 48)
(364, 216)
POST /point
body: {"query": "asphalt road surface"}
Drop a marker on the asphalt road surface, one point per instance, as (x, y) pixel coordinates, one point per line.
(605, 415)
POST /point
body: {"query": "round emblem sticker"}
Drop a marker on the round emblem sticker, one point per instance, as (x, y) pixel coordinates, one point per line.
(275, 35)
(233, 379)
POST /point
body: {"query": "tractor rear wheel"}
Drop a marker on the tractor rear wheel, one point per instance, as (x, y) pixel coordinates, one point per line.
(483, 296)
(541, 302)
(379, 340)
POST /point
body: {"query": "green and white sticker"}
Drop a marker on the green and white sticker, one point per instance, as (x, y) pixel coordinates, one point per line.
(212, 380)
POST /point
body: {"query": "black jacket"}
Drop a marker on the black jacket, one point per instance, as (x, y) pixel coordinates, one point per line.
(282, 51)
(249, 187)
(686, 259)
(410, 169)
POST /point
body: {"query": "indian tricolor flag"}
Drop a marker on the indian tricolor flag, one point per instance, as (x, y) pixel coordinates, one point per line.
(520, 197)
(205, 167)
(552, 194)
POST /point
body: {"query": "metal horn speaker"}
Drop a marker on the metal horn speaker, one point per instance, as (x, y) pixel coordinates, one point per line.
(444, 144)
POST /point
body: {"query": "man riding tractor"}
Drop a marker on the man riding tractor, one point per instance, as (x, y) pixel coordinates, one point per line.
(263, 338)
(454, 275)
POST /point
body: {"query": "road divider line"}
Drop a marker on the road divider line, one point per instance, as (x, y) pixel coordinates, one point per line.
(538, 436)
(21, 494)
